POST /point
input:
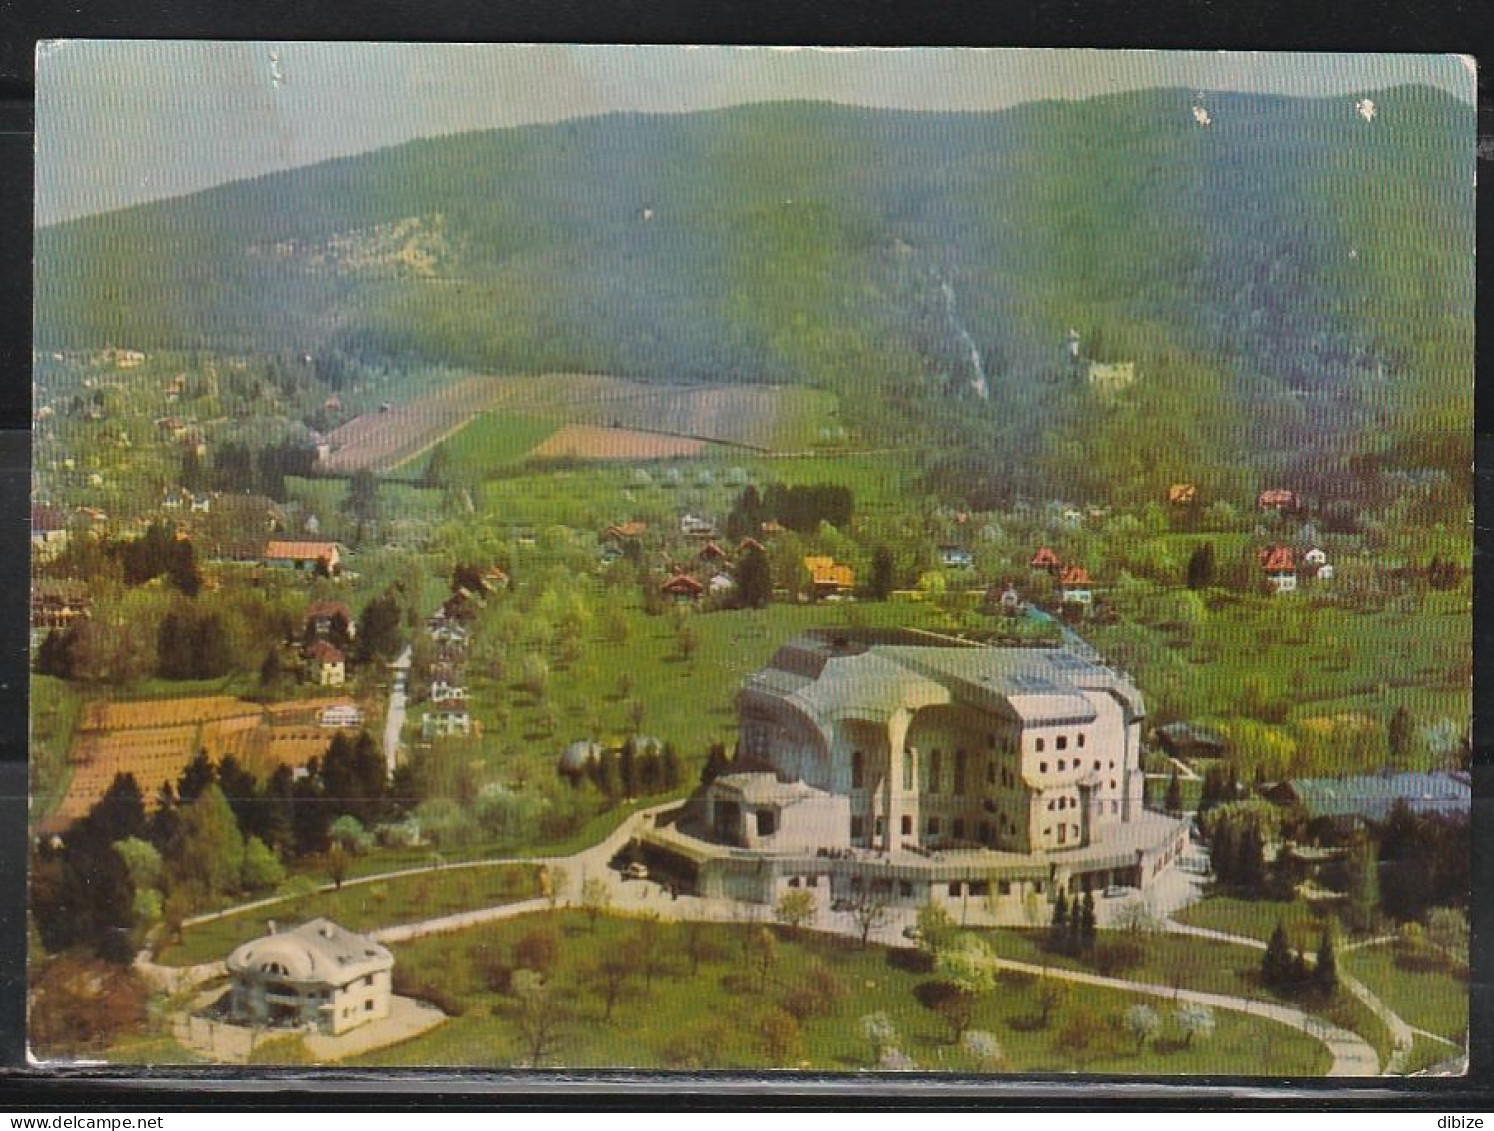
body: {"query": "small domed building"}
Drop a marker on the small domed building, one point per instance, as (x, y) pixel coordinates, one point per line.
(318, 975)
(577, 757)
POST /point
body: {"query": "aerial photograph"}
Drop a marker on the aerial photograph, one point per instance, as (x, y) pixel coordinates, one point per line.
(834, 561)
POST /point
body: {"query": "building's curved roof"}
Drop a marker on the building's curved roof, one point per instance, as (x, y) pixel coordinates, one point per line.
(873, 674)
(316, 952)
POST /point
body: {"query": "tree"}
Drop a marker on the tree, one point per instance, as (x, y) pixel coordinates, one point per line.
(262, 868)
(338, 862)
(796, 907)
(1143, 1022)
(1174, 802)
(1325, 970)
(869, 914)
(362, 499)
(210, 861)
(698, 944)
(1087, 922)
(779, 1036)
(1276, 964)
(608, 978)
(438, 468)
(537, 1016)
(983, 1049)
(556, 879)
(379, 635)
(1400, 734)
(879, 586)
(1201, 567)
(1195, 1021)
(936, 927)
(595, 899)
(967, 972)
(1058, 934)
(1051, 994)
(79, 1004)
(762, 952)
(754, 579)
(878, 1031)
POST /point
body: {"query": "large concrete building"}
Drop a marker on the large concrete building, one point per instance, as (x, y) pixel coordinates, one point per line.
(318, 976)
(926, 767)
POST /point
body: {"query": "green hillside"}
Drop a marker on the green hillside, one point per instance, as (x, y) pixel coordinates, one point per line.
(1293, 285)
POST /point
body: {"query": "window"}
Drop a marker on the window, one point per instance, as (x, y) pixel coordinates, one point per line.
(908, 770)
(907, 825)
(959, 777)
(1038, 746)
(1037, 887)
(1097, 763)
(1042, 767)
(936, 769)
(1062, 829)
(980, 887)
(959, 827)
(1081, 740)
(1061, 765)
(1115, 807)
(1112, 765)
(858, 769)
(905, 889)
(368, 981)
(858, 828)
(933, 826)
(793, 881)
(767, 822)
(1051, 806)
(1063, 742)
(881, 826)
(1112, 783)
(368, 1006)
(954, 889)
(1004, 887)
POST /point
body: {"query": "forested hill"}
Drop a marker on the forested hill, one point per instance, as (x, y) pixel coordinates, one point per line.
(1290, 277)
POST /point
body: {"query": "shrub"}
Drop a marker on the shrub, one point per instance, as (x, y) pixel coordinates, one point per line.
(1116, 955)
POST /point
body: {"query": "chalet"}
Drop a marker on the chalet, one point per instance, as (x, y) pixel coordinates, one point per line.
(302, 555)
(325, 619)
(955, 557)
(445, 691)
(1186, 741)
(1277, 499)
(1181, 494)
(449, 720)
(341, 715)
(57, 604)
(1315, 557)
(828, 576)
(682, 587)
(1371, 797)
(1280, 569)
(1075, 586)
(48, 533)
(694, 526)
(625, 531)
(1046, 559)
(325, 664)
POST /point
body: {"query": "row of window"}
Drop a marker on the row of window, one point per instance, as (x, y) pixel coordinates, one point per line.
(1060, 742)
(1078, 765)
(1063, 833)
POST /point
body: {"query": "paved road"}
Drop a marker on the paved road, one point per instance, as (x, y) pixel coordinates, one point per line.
(395, 722)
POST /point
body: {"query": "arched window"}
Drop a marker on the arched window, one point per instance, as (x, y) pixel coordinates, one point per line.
(858, 769)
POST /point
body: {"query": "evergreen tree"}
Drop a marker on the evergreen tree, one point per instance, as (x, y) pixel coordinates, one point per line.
(1174, 802)
(1201, 567)
(754, 579)
(715, 764)
(1325, 972)
(1087, 925)
(671, 769)
(196, 778)
(181, 567)
(379, 635)
(1059, 927)
(880, 585)
(1400, 734)
(1276, 965)
(1250, 868)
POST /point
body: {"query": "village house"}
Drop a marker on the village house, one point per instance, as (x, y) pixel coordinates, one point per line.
(1046, 559)
(829, 577)
(449, 720)
(1277, 499)
(318, 976)
(694, 526)
(1181, 494)
(329, 619)
(1280, 569)
(303, 555)
(1369, 798)
(914, 768)
(1186, 741)
(325, 664)
(340, 715)
(48, 533)
(1075, 586)
(955, 557)
(682, 587)
(57, 604)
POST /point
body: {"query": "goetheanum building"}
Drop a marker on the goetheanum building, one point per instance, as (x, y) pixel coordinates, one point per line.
(318, 976)
(921, 767)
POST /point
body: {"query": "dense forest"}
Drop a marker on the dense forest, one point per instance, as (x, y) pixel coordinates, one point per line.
(1293, 284)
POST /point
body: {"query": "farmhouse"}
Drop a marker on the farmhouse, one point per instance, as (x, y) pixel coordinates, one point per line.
(1280, 569)
(1046, 559)
(318, 976)
(302, 555)
(827, 576)
(682, 587)
(325, 664)
(449, 720)
(1075, 586)
(912, 766)
(1277, 499)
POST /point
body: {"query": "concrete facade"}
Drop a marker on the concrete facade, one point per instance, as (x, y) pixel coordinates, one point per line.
(318, 976)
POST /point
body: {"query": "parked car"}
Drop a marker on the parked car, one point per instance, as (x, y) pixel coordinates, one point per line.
(635, 871)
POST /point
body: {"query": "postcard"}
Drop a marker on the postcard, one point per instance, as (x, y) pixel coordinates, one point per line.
(841, 561)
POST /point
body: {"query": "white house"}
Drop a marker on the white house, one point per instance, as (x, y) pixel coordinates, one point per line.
(318, 976)
(1315, 557)
(326, 665)
(449, 720)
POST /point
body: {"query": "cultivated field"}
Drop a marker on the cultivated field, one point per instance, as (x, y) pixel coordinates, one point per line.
(598, 418)
(155, 740)
(583, 441)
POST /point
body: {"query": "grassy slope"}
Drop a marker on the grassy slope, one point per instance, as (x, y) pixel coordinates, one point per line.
(678, 1009)
(489, 441)
(1432, 1000)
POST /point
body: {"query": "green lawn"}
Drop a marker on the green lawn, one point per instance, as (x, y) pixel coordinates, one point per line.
(407, 899)
(55, 709)
(1257, 918)
(488, 441)
(1433, 1000)
(711, 1018)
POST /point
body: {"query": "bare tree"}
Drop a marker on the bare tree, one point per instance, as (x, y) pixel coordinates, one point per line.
(609, 977)
(595, 899)
(870, 914)
(537, 1016)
